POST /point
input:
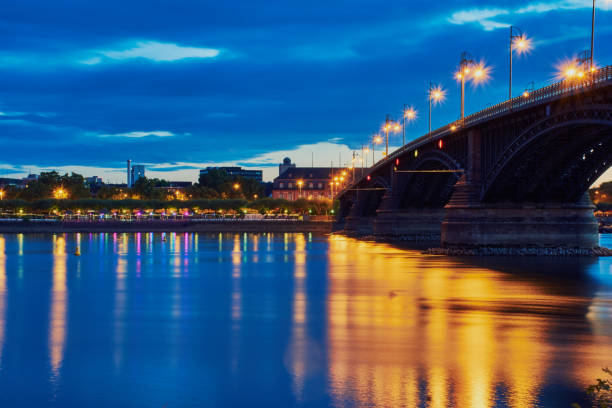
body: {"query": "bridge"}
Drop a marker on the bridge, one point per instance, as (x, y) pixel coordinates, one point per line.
(516, 173)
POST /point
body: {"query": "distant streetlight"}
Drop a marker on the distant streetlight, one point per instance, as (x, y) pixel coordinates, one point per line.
(60, 193)
(520, 44)
(592, 36)
(435, 95)
(389, 126)
(1, 194)
(410, 114)
(529, 90)
(236, 186)
(377, 140)
(300, 183)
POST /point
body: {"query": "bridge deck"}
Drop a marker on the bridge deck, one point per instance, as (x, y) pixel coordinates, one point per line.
(568, 87)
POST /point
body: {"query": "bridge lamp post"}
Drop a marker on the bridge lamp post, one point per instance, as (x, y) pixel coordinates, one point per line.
(410, 115)
(436, 95)
(592, 36)
(465, 66)
(520, 44)
(377, 140)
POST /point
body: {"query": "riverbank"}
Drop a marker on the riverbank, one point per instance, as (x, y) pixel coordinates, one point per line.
(427, 240)
(48, 226)
(520, 251)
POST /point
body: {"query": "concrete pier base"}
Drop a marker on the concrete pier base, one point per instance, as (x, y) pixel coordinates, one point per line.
(552, 225)
(418, 224)
(355, 225)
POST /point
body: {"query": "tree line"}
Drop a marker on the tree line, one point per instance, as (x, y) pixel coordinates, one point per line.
(217, 184)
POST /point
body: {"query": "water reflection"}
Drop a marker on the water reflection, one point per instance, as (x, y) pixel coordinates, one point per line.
(406, 330)
(3, 293)
(59, 298)
(294, 320)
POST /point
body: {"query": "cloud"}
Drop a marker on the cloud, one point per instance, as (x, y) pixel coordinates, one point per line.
(485, 16)
(480, 16)
(153, 133)
(152, 50)
(545, 7)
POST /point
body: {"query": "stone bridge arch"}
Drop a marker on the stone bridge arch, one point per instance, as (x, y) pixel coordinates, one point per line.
(427, 189)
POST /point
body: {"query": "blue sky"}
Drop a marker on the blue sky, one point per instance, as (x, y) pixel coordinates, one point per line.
(178, 85)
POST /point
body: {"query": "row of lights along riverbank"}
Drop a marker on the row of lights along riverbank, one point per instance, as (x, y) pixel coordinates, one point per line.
(477, 72)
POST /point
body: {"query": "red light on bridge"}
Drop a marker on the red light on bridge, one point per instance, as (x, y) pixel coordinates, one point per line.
(397, 162)
(369, 177)
(440, 144)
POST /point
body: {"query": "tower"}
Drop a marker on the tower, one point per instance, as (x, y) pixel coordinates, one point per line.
(129, 173)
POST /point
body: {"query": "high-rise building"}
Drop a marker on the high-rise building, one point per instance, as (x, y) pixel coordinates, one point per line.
(129, 173)
(138, 171)
(134, 172)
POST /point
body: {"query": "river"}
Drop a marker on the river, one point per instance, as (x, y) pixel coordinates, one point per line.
(281, 320)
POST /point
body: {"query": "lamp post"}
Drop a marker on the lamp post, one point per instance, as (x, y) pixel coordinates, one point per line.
(519, 43)
(592, 36)
(1, 194)
(299, 183)
(435, 95)
(409, 115)
(465, 66)
(386, 128)
(377, 140)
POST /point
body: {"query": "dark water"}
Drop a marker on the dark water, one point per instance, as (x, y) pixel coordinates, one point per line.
(293, 320)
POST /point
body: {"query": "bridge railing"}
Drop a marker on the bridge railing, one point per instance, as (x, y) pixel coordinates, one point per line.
(563, 88)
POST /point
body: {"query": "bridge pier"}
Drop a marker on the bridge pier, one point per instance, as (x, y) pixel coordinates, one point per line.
(520, 225)
(418, 224)
(415, 224)
(359, 225)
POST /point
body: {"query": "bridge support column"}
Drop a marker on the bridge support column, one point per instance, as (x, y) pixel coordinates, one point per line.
(418, 224)
(522, 225)
(356, 223)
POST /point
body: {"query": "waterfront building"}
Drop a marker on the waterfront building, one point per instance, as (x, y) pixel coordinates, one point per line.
(285, 165)
(236, 171)
(312, 183)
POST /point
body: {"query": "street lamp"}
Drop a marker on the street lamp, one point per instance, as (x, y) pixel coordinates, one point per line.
(519, 43)
(300, 183)
(389, 125)
(377, 140)
(529, 90)
(236, 186)
(1, 194)
(592, 36)
(60, 193)
(469, 69)
(465, 65)
(410, 114)
(435, 95)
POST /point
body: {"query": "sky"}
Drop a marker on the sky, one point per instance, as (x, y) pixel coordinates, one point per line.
(181, 85)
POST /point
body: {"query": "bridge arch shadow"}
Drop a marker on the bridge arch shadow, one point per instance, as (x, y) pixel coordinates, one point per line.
(427, 189)
(554, 160)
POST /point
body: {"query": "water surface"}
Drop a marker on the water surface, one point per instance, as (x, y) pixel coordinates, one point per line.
(280, 320)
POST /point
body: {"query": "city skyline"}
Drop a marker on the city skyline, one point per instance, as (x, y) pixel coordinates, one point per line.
(202, 85)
